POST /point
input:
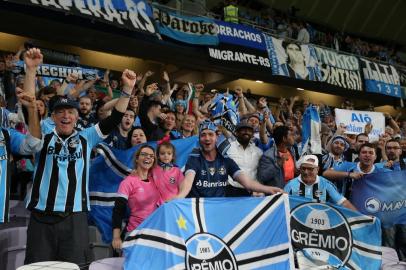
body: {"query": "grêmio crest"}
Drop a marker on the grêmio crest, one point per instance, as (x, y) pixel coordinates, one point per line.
(321, 232)
(207, 251)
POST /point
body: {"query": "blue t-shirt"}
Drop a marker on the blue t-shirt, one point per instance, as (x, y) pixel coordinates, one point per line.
(344, 186)
(210, 176)
(395, 167)
(321, 191)
(116, 140)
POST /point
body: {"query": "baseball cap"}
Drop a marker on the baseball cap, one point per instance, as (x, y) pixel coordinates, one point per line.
(243, 124)
(309, 160)
(64, 102)
(207, 124)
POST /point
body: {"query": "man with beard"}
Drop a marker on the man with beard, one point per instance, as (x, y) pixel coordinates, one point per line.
(352, 153)
(207, 170)
(86, 117)
(244, 152)
(393, 152)
(334, 157)
(118, 138)
(345, 173)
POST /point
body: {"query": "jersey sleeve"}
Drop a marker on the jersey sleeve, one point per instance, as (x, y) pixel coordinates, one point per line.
(232, 168)
(23, 144)
(192, 165)
(344, 167)
(288, 188)
(125, 188)
(93, 135)
(334, 195)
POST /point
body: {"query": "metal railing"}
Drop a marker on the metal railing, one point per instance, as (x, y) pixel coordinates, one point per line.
(266, 30)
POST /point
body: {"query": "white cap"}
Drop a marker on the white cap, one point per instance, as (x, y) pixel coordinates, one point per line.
(310, 160)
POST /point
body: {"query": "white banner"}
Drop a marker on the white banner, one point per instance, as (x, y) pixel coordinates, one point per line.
(355, 122)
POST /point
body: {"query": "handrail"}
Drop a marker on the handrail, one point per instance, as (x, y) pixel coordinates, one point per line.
(268, 31)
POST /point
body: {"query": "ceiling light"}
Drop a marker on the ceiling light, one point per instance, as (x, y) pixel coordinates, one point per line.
(301, 89)
(258, 81)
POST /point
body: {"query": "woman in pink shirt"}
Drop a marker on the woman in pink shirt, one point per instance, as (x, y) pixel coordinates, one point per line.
(166, 174)
(139, 192)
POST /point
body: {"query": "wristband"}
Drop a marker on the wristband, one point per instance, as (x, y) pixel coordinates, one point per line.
(124, 94)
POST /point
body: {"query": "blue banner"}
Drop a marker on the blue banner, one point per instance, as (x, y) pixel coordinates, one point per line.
(208, 233)
(131, 14)
(292, 59)
(192, 30)
(241, 35)
(335, 236)
(382, 195)
(109, 169)
(381, 78)
(55, 71)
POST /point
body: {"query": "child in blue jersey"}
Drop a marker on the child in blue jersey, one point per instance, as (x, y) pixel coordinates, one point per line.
(309, 185)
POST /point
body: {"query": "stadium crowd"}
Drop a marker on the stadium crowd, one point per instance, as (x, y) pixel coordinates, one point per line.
(262, 157)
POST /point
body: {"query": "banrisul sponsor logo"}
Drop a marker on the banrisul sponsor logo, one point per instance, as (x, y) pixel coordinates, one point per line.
(207, 251)
(322, 232)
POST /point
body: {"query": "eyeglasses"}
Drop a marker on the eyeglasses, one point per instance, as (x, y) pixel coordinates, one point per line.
(143, 154)
(306, 169)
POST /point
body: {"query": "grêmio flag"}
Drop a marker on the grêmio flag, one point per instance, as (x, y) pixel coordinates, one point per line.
(382, 195)
(333, 235)
(213, 233)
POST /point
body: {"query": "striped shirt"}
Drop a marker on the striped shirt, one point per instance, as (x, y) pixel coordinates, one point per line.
(62, 172)
(12, 142)
(321, 190)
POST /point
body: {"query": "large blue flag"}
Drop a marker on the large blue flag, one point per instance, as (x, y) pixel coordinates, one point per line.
(334, 235)
(213, 233)
(382, 195)
(109, 169)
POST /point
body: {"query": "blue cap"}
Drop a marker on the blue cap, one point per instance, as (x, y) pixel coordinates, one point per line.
(207, 124)
(64, 102)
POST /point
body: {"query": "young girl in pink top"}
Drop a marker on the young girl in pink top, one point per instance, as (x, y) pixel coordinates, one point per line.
(139, 192)
(166, 174)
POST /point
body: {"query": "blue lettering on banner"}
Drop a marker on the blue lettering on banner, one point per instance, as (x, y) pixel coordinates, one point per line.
(192, 30)
(381, 78)
(133, 14)
(241, 35)
(382, 195)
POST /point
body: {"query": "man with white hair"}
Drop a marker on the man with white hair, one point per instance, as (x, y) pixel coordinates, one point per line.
(309, 185)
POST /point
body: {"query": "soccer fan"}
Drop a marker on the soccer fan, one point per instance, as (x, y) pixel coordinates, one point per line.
(309, 185)
(59, 199)
(206, 172)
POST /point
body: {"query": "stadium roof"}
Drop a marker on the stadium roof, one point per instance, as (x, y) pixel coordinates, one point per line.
(382, 20)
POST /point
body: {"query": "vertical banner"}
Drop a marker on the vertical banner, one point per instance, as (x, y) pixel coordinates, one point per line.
(381, 78)
(292, 59)
(382, 195)
(335, 236)
(192, 30)
(339, 69)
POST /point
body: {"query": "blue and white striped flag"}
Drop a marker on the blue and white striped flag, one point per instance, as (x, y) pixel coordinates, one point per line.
(335, 236)
(109, 169)
(213, 233)
(311, 141)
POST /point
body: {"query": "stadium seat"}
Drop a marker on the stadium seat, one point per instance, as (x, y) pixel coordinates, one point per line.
(389, 255)
(99, 249)
(50, 266)
(107, 264)
(394, 266)
(12, 247)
